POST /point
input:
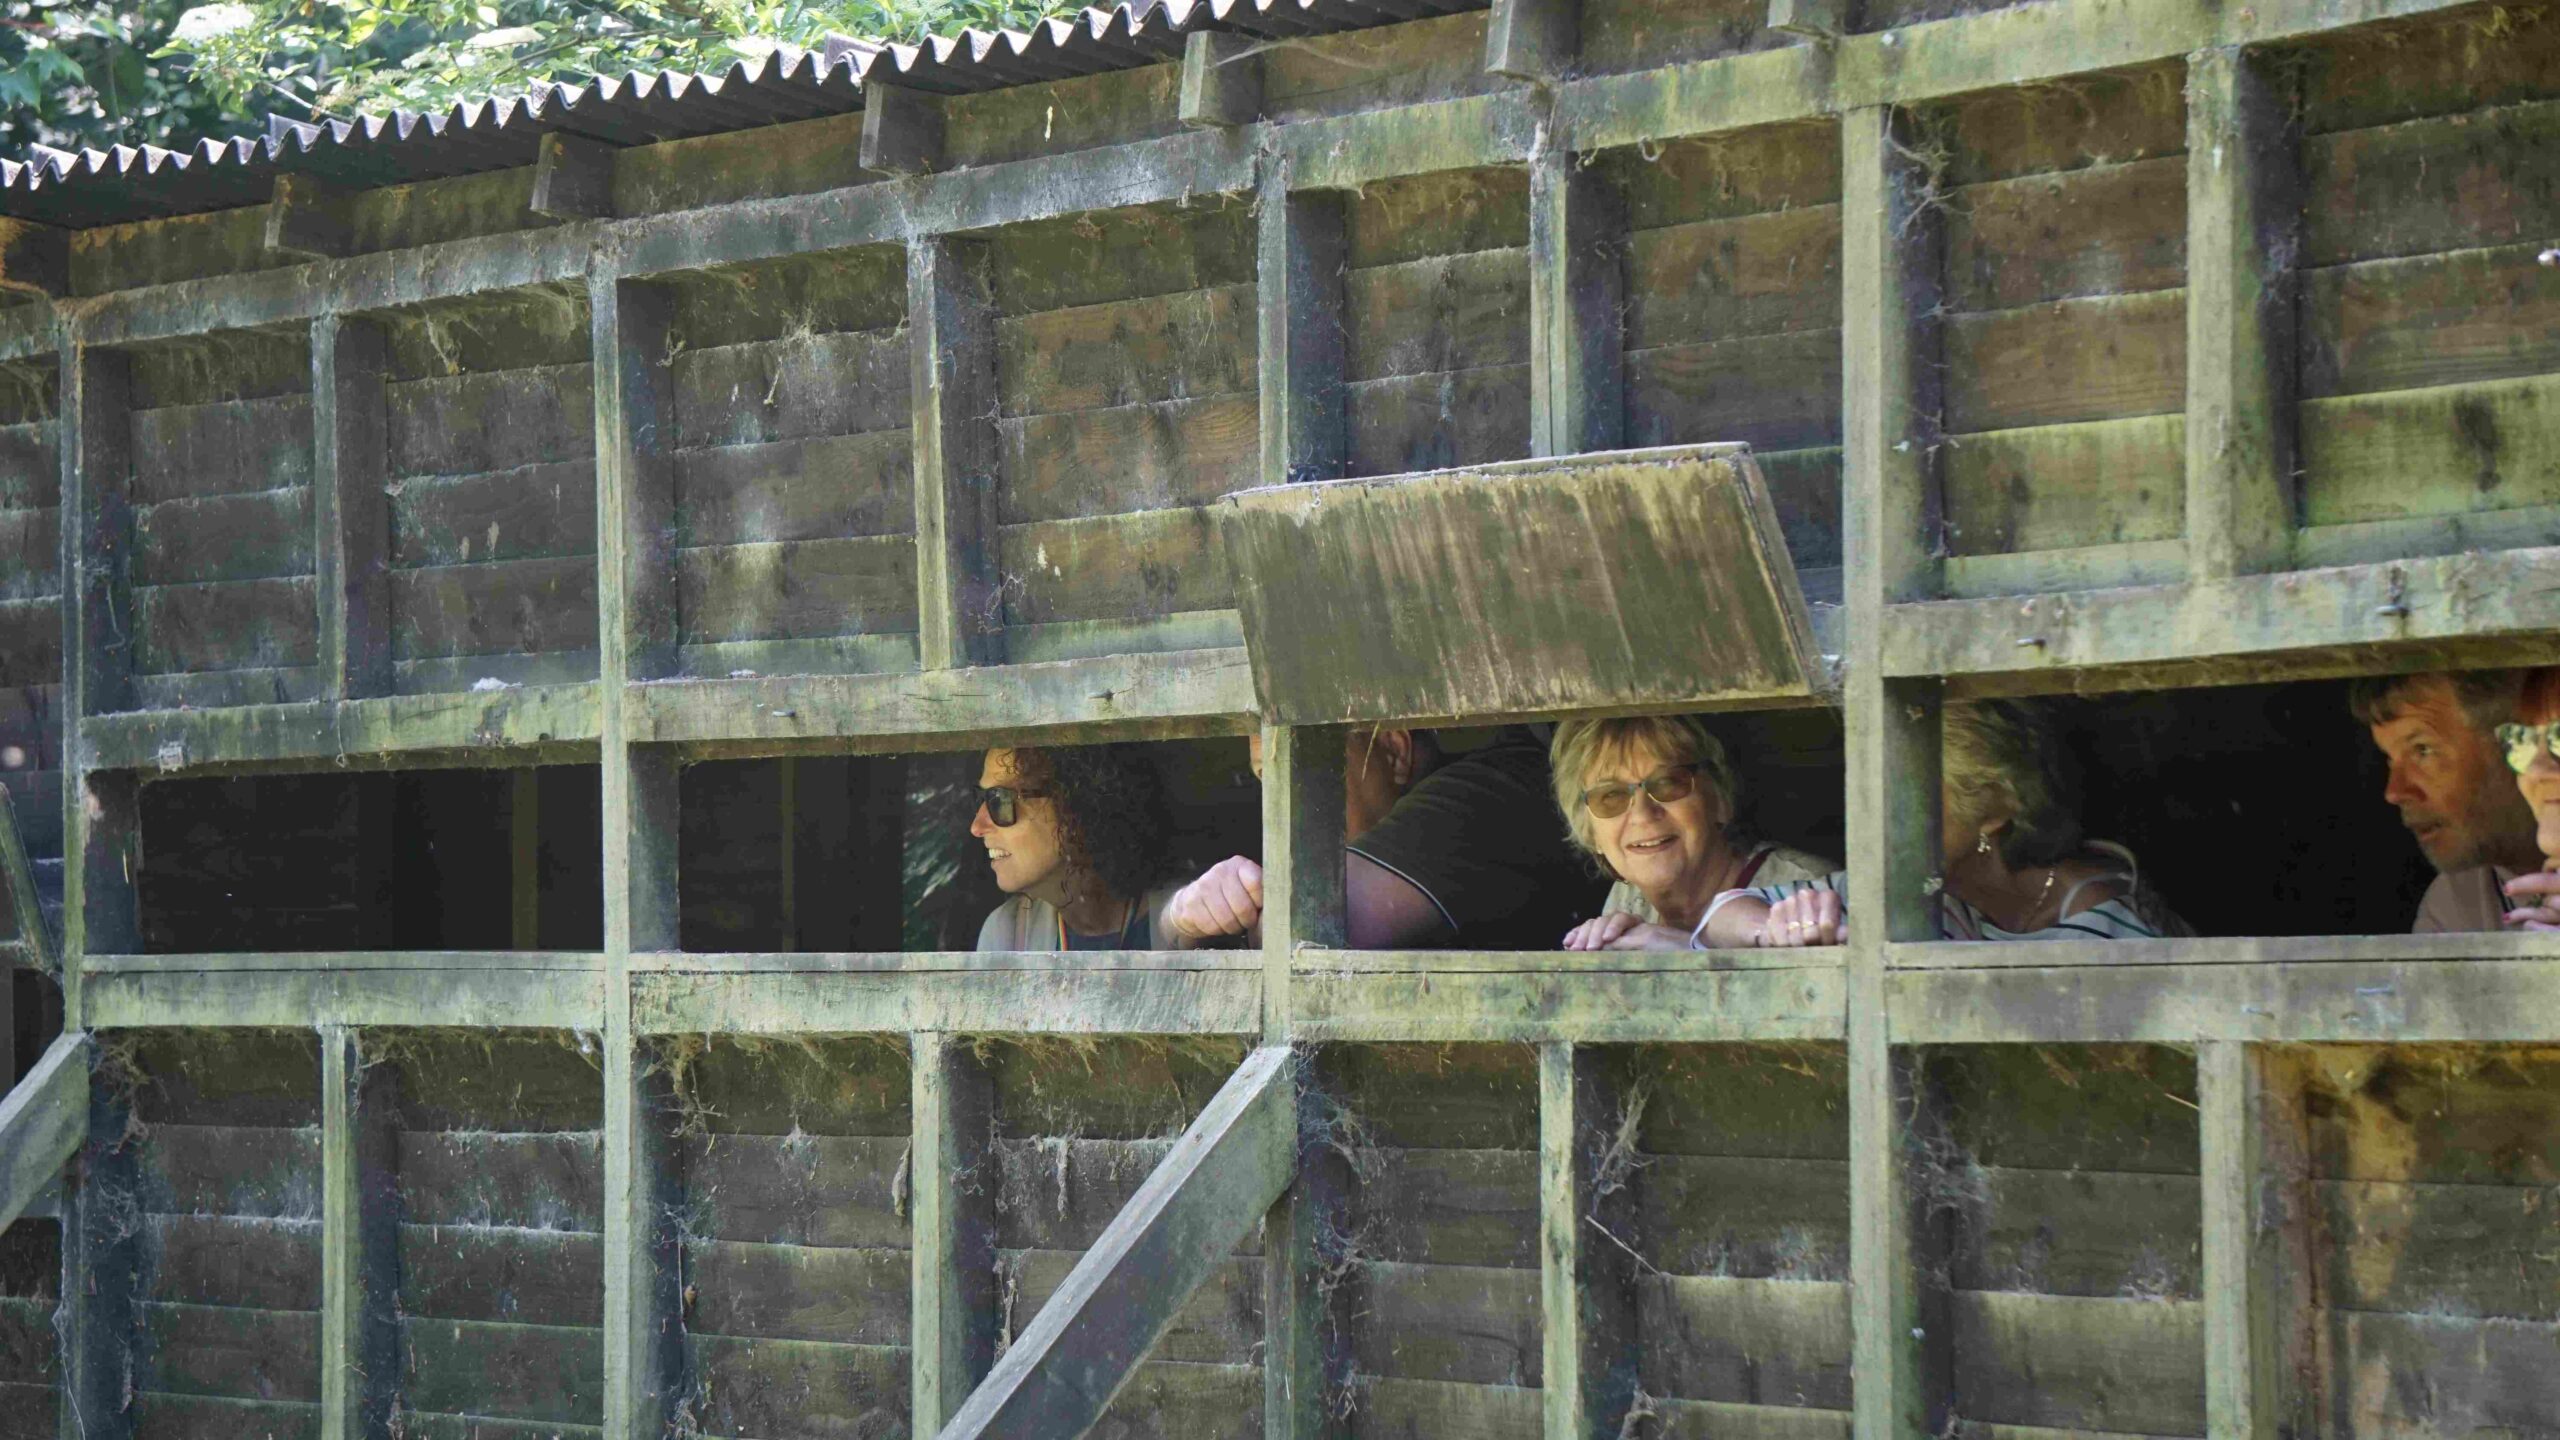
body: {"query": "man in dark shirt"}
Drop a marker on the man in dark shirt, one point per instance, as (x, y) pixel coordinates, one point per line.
(1459, 851)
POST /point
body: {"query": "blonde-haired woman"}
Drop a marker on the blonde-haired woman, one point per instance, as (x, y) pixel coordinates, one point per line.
(1653, 801)
(2532, 745)
(2016, 863)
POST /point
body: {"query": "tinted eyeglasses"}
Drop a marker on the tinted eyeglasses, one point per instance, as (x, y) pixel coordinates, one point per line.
(1608, 802)
(1003, 803)
(2523, 742)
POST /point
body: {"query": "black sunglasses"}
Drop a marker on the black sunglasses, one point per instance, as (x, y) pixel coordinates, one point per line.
(1003, 803)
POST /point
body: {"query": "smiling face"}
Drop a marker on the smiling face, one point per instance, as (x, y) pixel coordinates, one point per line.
(2444, 778)
(1030, 855)
(1662, 850)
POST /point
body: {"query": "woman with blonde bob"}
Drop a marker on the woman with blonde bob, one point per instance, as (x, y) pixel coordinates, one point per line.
(2532, 745)
(2016, 863)
(1653, 801)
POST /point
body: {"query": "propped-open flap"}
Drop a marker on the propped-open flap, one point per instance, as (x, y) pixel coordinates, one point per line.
(1630, 578)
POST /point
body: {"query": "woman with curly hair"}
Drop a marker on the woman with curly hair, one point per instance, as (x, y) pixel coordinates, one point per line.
(1075, 836)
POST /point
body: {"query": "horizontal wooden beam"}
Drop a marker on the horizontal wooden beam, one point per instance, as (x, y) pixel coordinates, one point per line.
(1200, 692)
(42, 1123)
(1408, 996)
(2416, 1001)
(2232, 630)
(481, 997)
(27, 331)
(1055, 1001)
(472, 722)
(1210, 1189)
(2219, 950)
(1345, 152)
(34, 259)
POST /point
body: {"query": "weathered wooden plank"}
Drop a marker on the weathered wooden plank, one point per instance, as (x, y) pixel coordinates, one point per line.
(1156, 455)
(2240, 626)
(1203, 693)
(1221, 81)
(1533, 1006)
(1775, 392)
(522, 1372)
(2424, 320)
(221, 447)
(1745, 1341)
(2448, 1374)
(956, 1308)
(43, 1122)
(30, 642)
(256, 536)
(230, 625)
(2103, 357)
(2448, 182)
(954, 393)
(2257, 1240)
(361, 1251)
(1588, 1322)
(534, 512)
(1154, 347)
(474, 423)
(2334, 1001)
(30, 548)
(2244, 207)
(572, 178)
(1326, 576)
(472, 1272)
(2445, 449)
(505, 1180)
(1228, 1168)
(1302, 341)
(2109, 229)
(2050, 487)
(1154, 562)
(1448, 1323)
(351, 524)
(1121, 254)
(1344, 152)
(782, 1292)
(30, 468)
(2454, 1248)
(798, 589)
(96, 454)
(511, 606)
(285, 998)
(799, 1387)
(1403, 424)
(794, 388)
(255, 1261)
(1767, 273)
(814, 489)
(1578, 286)
(220, 1351)
(516, 716)
(2072, 1363)
(29, 926)
(1438, 313)
(1138, 1002)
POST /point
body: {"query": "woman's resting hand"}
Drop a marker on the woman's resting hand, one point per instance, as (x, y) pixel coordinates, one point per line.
(1226, 900)
(1808, 917)
(1619, 931)
(2537, 898)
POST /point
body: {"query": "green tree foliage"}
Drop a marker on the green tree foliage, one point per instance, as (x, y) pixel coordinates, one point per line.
(170, 73)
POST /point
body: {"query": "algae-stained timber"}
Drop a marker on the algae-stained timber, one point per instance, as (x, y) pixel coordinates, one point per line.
(2082, 347)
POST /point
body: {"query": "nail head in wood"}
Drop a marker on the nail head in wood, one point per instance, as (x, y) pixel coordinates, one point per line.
(307, 220)
(901, 130)
(573, 178)
(34, 259)
(1221, 80)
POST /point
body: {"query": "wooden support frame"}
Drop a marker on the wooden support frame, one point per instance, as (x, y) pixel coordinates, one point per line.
(35, 939)
(1587, 1269)
(951, 357)
(1228, 1168)
(100, 1322)
(307, 220)
(1221, 80)
(572, 178)
(956, 1310)
(2259, 1252)
(2244, 209)
(359, 1239)
(351, 519)
(1304, 352)
(43, 1122)
(34, 259)
(1535, 40)
(1577, 305)
(901, 130)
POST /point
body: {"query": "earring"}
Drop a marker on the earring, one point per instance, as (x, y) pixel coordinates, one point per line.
(1982, 843)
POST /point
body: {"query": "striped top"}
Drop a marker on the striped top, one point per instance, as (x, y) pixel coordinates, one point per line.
(2135, 915)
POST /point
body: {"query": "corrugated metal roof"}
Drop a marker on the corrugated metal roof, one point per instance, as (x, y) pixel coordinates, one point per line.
(102, 187)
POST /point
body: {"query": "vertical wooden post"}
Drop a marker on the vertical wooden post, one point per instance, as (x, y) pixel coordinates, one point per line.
(1533, 39)
(1890, 514)
(1577, 306)
(1304, 352)
(2244, 149)
(956, 1308)
(350, 517)
(1302, 907)
(101, 1317)
(951, 357)
(524, 846)
(636, 625)
(359, 1241)
(2258, 1242)
(1587, 1282)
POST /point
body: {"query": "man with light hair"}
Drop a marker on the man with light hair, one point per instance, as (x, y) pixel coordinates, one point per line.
(2453, 791)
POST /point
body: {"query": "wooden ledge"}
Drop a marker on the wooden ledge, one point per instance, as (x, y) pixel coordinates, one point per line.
(2493, 607)
(1176, 694)
(318, 962)
(980, 1000)
(476, 727)
(939, 962)
(2480, 1001)
(2221, 950)
(473, 997)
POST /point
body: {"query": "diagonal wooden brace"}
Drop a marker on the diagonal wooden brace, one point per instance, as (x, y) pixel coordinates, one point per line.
(42, 1123)
(1229, 1168)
